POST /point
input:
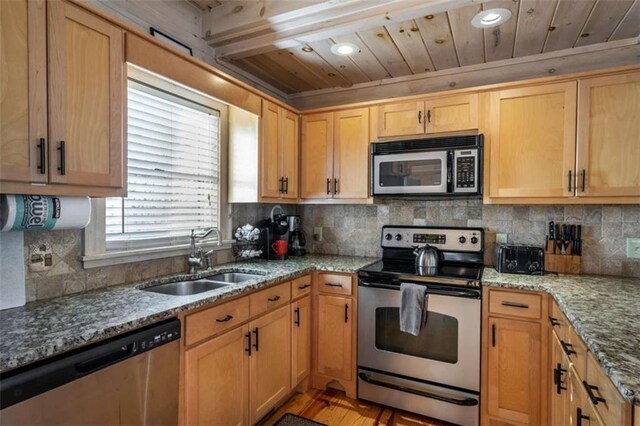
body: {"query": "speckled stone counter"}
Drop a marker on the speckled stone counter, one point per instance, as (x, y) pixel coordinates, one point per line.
(604, 311)
(42, 329)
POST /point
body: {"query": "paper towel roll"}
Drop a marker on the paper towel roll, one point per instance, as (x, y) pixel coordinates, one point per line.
(43, 212)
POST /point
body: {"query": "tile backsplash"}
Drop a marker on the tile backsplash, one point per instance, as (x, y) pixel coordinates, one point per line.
(355, 229)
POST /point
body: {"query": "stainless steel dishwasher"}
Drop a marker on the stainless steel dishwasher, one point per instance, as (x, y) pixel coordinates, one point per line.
(130, 379)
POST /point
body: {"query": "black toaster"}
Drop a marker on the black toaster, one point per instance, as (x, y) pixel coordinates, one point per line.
(518, 259)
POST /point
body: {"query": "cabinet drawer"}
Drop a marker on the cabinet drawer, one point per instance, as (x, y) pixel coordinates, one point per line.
(300, 286)
(558, 321)
(524, 305)
(270, 298)
(335, 284)
(214, 320)
(577, 352)
(607, 401)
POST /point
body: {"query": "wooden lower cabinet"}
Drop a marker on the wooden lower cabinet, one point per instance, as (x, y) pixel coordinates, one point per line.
(559, 379)
(580, 410)
(335, 332)
(217, 380)
(300, 340)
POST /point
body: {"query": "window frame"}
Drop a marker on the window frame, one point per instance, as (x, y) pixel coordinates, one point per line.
(95, 253)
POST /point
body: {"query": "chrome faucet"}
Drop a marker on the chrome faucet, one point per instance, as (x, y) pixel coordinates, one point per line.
(197, 258)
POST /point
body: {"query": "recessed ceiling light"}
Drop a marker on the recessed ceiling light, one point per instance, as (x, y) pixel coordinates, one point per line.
(491, 18)
(344, 49)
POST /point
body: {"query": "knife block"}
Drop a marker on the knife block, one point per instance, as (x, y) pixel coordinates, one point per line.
(561, 263)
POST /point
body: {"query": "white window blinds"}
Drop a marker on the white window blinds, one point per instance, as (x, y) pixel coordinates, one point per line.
(173, 172)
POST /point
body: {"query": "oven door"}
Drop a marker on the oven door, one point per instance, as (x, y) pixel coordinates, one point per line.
(423, 172)
(446, 351)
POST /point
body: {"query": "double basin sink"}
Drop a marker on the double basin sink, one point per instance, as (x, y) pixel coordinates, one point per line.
(187, 288)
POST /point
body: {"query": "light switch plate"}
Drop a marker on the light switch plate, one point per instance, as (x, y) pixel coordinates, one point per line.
(633, 248)
(501, 238)
(317, 233)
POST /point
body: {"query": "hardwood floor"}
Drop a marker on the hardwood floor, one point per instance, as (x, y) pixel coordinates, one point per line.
(333, 408)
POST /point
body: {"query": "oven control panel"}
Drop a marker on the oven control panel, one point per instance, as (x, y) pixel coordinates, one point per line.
(450, 239)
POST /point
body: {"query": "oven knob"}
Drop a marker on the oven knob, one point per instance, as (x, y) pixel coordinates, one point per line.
(462, 239)
(388, 237)
(398, 237)
(474, 240)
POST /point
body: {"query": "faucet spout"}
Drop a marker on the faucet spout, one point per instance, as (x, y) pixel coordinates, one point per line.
(196, 258)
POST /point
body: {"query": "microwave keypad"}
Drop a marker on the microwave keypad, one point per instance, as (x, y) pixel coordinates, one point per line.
(465, 172)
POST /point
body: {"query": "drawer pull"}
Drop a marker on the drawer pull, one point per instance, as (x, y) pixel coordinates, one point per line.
(515, 305)
(554, 321)
(557, 378)
(590, 388)
(248, 336)
(63, 154)
(303, 286)
(225, 319)
(333, 285)
(42, 149)
(296, 321)
(568, 348)
(256, 344)
(580, 416)
(346, 312)
(274, 299)
(493, 335)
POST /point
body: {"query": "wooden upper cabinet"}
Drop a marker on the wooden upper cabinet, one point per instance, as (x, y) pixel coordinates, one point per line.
(609, 136)
(316, 163)
(452, 114)
(278, 152)
(23, 91)
(401, 119)
(532, 141)
(334, 336)
(351, 154)
(86, 97)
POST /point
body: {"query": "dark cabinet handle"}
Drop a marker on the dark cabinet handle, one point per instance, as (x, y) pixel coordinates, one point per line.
(569, 182)
(592, 396)
(333, 285)
(42, 150)
(248, 336)
(296, 321)
(346, 312)
(335, 186)
(286, 185)
(255, 345)
(557, 378)
(428, 116)
(303, 286)
(515, 305)
(554, 321)
(568, 348)
(580, 416)
(493, 335)
(328, 186)
(584, 179)
(419, 117)
(274, 299)
(225, 319)
(63, 154)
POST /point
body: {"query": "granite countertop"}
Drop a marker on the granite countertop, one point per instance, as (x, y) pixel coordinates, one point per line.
(604, 311)
(43, 329)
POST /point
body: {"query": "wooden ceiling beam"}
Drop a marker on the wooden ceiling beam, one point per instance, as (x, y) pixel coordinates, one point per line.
(323, 21)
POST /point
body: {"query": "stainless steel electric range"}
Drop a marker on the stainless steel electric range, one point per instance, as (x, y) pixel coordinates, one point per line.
(436, 373)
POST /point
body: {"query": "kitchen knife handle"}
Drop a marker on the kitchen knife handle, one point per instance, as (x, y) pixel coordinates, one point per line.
(584, 179)
(569, 182)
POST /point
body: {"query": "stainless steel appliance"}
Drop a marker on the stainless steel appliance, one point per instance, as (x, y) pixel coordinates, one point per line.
(128, 380)
(436, 373)
(519, 259)
(297, 238)
(437, 166)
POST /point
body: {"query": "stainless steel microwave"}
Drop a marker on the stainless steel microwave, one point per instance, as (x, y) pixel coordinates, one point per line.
(437, 166)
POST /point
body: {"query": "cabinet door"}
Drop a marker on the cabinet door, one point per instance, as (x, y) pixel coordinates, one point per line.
(451, 114)
(335, 332)
(270, 166)
(402, 119)
(86, 97)
(23, 91)
(289, 153)
(351, 154)
(270, 362)
(559, 367)
(316, 164)
(580, 410)
(533, 141)
(609, 136)
(300, 340)
(514, 370)
(217, 380)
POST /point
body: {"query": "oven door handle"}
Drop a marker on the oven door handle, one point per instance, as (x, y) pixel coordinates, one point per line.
(472, 294)
(467, 402)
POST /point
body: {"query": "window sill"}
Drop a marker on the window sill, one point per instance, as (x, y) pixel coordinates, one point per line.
(130, 256)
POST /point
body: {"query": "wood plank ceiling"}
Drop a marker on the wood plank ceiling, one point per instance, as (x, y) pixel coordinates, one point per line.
(442, 41)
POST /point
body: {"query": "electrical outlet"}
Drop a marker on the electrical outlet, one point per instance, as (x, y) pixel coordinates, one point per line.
(501, 238)
(633, 248)
(40, 257)
(317, 233)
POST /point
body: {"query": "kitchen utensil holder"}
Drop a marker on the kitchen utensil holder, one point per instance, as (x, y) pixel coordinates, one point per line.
(568, 263)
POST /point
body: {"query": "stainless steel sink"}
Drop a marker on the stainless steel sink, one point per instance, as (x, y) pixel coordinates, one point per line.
(233, 277)
(186, 288)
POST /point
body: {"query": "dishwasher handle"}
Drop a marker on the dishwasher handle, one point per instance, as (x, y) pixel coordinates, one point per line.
(105, 360)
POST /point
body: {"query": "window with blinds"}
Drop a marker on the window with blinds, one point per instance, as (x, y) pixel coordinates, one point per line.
(173, 172)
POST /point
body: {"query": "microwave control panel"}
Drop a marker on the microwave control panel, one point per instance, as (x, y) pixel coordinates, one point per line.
(466, 170)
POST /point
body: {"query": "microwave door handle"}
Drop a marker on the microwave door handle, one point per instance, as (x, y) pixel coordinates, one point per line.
(450, 171)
